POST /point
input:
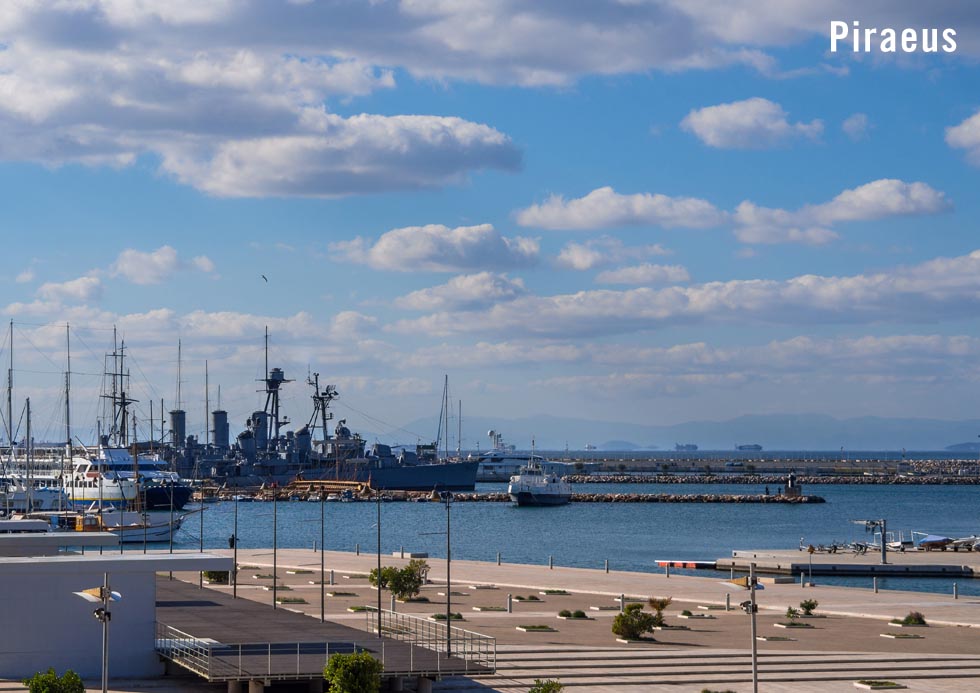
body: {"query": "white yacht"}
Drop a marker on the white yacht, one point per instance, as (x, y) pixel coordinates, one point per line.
(533, 486)
(90, 483)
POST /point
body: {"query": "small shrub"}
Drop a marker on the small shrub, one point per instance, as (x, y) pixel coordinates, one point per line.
(808, 605)
(353, 673)
(792, 613)
(455, 616)
(565, 613)
(534, 598)
(686, 612)
(659, 605)
(633, 623)
(914, 618)
(549, 686)
(50, 682)
(578, 613)
(218, 577)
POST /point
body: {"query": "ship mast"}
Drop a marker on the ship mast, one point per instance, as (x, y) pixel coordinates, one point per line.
(10, 399)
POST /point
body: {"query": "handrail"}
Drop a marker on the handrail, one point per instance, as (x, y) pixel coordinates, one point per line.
(477, 651)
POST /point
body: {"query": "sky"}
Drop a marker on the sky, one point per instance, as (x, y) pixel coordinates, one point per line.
(647, 211)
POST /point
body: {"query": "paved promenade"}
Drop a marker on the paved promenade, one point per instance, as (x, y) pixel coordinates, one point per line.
(844, 645)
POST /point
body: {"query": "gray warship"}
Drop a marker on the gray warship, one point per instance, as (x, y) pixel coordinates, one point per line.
(263, 454)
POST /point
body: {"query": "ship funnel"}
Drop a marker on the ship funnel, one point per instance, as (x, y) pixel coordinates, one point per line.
(177, 427)
(219, 426)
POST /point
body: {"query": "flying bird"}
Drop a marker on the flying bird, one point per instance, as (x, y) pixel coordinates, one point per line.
(266, 279)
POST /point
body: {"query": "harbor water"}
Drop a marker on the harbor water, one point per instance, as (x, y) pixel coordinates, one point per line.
(632, 536)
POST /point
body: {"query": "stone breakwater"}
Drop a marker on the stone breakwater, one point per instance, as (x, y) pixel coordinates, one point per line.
(773, 480)
(653, 498)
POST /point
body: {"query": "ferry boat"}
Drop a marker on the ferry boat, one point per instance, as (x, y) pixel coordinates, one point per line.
(90, 484)
(533, 486)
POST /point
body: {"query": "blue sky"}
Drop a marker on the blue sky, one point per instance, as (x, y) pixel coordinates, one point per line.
(651, 212)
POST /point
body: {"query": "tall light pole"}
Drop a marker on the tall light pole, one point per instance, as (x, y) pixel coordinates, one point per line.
(275, 546)
(378, 498)
(323, 588)
(234, 548)
(869, 526)
(449, 584)
(102, 596)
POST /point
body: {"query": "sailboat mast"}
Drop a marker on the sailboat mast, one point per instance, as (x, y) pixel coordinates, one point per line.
(30, 483)
(445, 401)
(10, 397)
(459, 431)
(68, 446)
(207, 406)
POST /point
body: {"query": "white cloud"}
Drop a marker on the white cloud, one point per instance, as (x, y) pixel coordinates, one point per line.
(856, 126)
(344, 156)
(755, 123)
(944, 288)
(644, 274)
(154, 267)
(604, 251)
(604, 207)
(350, 323)
(966, 136)
(25, 276)
(465, 292)
(438, 248)
(79, 290)
(810, 224)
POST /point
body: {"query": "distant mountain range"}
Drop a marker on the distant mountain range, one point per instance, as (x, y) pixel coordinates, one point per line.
(771, 431)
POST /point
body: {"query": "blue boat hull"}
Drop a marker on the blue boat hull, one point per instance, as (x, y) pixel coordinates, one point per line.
(525, 498)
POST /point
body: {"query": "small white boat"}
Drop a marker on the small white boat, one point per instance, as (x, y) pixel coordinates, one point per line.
(535, 487)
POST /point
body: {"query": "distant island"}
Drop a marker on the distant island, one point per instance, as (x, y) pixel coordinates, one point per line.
(964, 447)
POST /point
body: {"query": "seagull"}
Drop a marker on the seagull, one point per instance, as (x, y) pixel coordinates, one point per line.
(266, 279)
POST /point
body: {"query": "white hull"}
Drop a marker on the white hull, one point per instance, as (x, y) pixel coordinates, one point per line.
(133, 527)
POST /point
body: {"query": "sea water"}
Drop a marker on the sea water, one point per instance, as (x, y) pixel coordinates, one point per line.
(632, 536)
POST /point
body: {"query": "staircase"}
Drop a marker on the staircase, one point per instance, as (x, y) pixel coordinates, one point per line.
(636, 668)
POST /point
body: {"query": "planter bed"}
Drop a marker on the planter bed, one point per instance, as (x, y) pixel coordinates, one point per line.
(903, 636)
(603, 608)
(774, 638)
(536, 629)
(697, 617)
(489, 608)
(870, 685)
(793, 626)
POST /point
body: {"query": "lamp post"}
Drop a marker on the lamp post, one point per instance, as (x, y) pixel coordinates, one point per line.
(234, 549)
(102, 596)
(275, 546)
(882, 525)
(378, 499)
(449, 584)
(323, 588)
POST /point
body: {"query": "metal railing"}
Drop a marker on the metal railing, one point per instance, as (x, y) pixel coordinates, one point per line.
(247, 661)
(477, 652)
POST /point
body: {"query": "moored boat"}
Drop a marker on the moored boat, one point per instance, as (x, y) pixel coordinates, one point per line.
(536, 487)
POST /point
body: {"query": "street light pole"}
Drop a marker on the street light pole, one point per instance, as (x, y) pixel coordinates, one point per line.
(234, 547)
(275, 546)
(755, 649)
(105, 616)
(323, 588)
(378, 498)
(449, 583)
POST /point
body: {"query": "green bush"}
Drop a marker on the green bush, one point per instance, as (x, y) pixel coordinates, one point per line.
(216, 576)
(792, 612)
(549, 686)
(565, 613)
(404, 583)
(50, 682)
(686, 612)
(659, 605)
(353, 673)
(914, 618)
(578, 613)
(633, 623)
(808, 605)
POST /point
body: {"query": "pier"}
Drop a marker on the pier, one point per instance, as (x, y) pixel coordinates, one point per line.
(945, 564)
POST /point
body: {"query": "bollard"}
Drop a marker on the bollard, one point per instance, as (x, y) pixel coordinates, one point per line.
(551, 562)
(728, 602)
(314, 546)
(510, 603)
(956, 591)
(331, 577)
(874, 582)
(392, 602)
(667, 569)
(802, 580)
(498, 558)
(732, 577)
(607, 565)
(357, 549)
(622, 603)
(402, 549)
